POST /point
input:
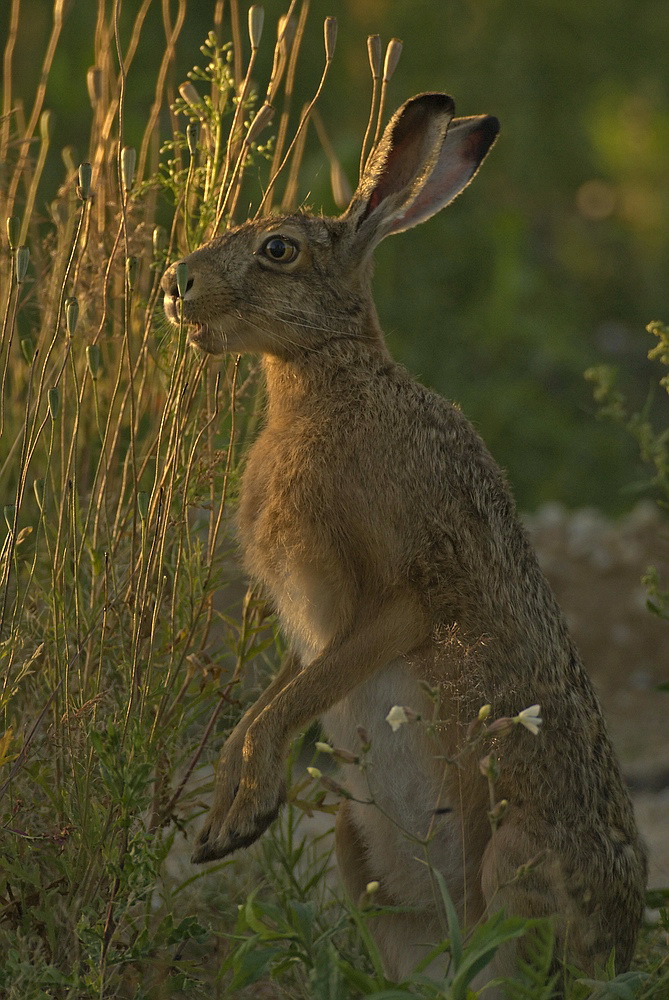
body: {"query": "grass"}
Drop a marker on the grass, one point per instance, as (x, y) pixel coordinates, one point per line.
(128, 643)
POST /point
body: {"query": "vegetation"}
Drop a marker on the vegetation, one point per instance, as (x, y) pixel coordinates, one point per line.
(127, 644)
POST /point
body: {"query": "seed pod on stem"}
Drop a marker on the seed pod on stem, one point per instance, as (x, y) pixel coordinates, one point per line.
(330, 33)
(374, 51)
(256, 19)
(54, 401)
(182, 278)
(93, 360)
(71, 315)
(13, 231)
(128, 160)
(22, 258)
(393, 53)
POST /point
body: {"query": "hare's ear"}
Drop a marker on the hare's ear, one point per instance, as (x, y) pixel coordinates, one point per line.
(423, 161)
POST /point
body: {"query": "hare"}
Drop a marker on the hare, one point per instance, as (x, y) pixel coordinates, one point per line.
(386, 539)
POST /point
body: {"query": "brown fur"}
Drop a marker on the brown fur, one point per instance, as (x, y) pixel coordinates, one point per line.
(386, 538)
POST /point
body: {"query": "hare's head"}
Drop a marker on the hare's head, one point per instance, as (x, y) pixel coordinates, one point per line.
(282, 285)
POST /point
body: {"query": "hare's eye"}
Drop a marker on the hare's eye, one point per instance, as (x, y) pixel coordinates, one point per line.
(279, 249)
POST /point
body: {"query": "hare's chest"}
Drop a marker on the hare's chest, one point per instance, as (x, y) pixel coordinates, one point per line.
(290, 550)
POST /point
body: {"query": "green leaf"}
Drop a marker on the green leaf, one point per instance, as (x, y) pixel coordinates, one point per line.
(250, 963)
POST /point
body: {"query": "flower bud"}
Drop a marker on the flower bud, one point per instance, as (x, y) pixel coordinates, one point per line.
(374, 52)
(128, 161)
(182, 278)
(85, 176)
(256, 19)
(330, 34)
(315, 773)
(71, 315)
(489, 767)
(28, 349)
(13, 231)
(191, 96)
(22, 258)
(93, 360)
(500, 727)
(393, 53)
(54, 402)
(324, 747)
(497, 812)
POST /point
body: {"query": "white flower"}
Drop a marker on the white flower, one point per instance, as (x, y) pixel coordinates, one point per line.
(530, 718)
(396, 717)
(314, 772)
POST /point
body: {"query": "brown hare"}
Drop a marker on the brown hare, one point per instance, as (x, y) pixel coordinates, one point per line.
(386, 539)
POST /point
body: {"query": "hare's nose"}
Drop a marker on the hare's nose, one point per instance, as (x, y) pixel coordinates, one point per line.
(169, 282)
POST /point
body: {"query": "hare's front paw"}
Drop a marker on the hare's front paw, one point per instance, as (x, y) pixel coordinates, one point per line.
(242, 809)
(228, 777)
(255, 806)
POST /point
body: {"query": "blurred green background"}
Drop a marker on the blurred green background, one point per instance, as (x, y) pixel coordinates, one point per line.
(556, 257)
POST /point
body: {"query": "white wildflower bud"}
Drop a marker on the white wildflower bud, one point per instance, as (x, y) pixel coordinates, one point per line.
(374, 51)
(22, 258)
(484, 712)
(191, 96)
(128, 161)
(256, 20)
(372, 887)
(497, 812)
(330, 33)
(393, 53)
(315, 773)
(324, 747)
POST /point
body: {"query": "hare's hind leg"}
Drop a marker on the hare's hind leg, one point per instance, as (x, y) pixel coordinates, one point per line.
(402, 939)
